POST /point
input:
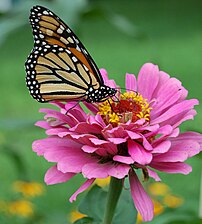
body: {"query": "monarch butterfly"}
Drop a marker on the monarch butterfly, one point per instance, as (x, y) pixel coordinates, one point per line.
(59, 67)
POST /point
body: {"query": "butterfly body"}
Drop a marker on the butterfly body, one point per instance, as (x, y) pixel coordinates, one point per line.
(59, 67)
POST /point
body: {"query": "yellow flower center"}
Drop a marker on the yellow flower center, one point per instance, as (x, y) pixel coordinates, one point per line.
(130, 107)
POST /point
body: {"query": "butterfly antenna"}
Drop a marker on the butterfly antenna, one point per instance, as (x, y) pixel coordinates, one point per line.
(72, 107)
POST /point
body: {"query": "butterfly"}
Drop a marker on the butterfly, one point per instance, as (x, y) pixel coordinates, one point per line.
(59, 66)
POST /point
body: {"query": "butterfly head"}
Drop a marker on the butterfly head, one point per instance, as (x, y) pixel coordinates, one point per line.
(99, 95)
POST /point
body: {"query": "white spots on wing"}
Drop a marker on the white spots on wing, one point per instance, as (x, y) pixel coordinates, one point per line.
(45, 12)
(85, 68)
(62, 27)
(85, 52)
(78, 48)
(68, 30)
(59, 30)
(41, 36)
(74, 59)
(70, 40)
(68, 51)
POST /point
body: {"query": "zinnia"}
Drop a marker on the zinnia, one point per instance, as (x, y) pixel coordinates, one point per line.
(138, 130)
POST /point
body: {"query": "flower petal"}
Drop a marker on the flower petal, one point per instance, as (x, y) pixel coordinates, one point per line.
(177, 167)
(123, 159)
(168, 94)
(131, 83)
(54, 176)
(153, 174)
(138, 153)
(175, 111)
(148, 78)
(74, 162)
(86, 185)
(43, 124)
(190, 136)
(98, 170)
(142, 201)
(162, 147)
(179, 152)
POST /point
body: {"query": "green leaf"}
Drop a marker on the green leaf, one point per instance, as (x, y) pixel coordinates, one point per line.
(94, 203)
(86, 220)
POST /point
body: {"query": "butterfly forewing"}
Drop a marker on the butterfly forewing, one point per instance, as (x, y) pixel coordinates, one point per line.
(59, 67)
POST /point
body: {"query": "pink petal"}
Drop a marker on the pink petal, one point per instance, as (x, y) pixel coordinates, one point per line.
(138, 153)
(77, 114)
(42, 145)
(43, 124)
(74, 162)
(107, 81)
(97, 141)
(163, 79)
(131, 83)
(92, 107)
(98, 170)
(190, 136)
(141, 200)
(89, 149)
(61, 117)
(96, 120)
(175, 110)
(179, 152)
(184, 117)
(148, 78)
(133, 135)
(54, 176)
(146, 144)
(162, 147)
(168, 94)
(153, 174)
(85, 186)
(104, 74)
(57, 131)
(82, 138)
(177, 167)
(117, 141)
(83, 127)
(123, 159)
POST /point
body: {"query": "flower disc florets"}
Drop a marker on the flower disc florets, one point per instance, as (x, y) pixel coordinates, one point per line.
(130, 107)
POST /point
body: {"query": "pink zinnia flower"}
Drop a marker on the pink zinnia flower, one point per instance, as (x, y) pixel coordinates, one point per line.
(138, 130)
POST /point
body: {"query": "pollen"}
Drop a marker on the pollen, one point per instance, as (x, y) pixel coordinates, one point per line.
(131, 106)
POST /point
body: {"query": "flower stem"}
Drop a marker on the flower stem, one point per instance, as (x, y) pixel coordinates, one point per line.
(114, 192)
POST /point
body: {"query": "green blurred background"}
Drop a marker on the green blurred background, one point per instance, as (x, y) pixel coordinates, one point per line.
(121, 36)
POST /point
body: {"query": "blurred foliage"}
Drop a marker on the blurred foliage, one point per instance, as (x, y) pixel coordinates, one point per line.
(121, 36)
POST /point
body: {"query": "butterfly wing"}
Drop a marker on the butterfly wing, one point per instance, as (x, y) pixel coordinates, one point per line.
(59, 67)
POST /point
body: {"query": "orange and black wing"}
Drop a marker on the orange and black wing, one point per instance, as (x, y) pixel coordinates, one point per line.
(59, 67)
